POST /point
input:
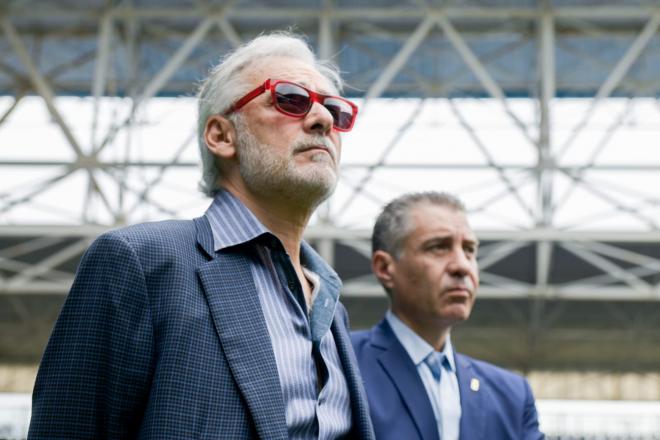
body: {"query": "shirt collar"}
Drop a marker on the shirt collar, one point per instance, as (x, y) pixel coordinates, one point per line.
(416, 347)
(232, 222)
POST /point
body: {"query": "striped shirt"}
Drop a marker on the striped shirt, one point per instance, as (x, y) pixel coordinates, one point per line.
(313, 385)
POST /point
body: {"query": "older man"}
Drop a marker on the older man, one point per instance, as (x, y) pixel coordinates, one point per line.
(226, 326)
(425, 256)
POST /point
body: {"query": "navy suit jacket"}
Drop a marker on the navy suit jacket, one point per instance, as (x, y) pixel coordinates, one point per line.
(163, 338)
(501, 409)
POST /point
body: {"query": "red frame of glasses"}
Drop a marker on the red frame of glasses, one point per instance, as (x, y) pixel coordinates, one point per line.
(269, 85)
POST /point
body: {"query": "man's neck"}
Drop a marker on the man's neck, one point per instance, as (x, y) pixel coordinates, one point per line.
(286, 220)
(434, 334)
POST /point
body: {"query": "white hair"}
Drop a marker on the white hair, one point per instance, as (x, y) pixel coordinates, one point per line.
(226, 84)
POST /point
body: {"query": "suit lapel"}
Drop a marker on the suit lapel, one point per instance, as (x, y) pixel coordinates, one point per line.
(361, 419)
(399, 367)
(470, 387)
(236, 312)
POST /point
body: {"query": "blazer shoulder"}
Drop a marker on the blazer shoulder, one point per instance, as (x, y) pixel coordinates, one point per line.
(168, 234)
(379, 337)
(361, 340)
(150, 246)
(498, 377)
(360, 335)
(165, 229)
(487, 367)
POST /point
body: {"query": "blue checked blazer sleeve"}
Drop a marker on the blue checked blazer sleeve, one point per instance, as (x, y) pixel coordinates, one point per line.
(95, 373)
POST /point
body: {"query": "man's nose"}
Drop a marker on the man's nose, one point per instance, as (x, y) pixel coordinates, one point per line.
(319, 120)
(460, 264)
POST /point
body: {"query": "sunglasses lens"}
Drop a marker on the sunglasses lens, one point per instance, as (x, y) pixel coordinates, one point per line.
(292, 99)
(341, 111)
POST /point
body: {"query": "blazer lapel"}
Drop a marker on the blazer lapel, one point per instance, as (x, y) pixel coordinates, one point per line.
(361, 419)
(399, 367)
(469, 384)
(241, 327)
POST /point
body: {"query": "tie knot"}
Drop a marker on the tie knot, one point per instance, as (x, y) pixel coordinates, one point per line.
(436, 361)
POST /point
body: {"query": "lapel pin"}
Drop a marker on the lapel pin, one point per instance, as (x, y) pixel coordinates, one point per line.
(474, 384)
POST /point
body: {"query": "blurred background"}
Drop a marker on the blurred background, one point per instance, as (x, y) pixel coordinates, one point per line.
(543, 116)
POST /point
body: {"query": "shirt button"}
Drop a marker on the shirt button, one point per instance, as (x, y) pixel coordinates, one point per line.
(292, 285)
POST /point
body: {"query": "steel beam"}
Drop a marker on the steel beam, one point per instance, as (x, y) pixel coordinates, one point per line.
(490, 159)
(481, 73)
(15, 266)
(39, 82)
(176, 60)
(411, 44)
(615, 77)
(388, 149)
(592, 12)
(414, 22)
(142, 197)
(545, 159)
(590, 164)
(229, 32)
(326, 45)
(619, 205)
(608, 267)
(101, 69)
(570, 169)
(45, 265)
(317, 232)
(12, 107)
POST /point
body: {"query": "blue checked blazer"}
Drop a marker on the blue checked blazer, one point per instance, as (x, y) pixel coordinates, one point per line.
(501, 407)
(163, 338)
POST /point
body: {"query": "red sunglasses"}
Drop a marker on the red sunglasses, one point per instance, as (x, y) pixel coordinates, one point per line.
(295, 100)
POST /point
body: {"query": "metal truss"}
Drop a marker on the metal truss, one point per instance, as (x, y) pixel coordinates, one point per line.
(541, 196)
(579, 265)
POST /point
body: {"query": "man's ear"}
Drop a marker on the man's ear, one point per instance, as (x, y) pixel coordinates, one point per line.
(220, 137)
(382, 265)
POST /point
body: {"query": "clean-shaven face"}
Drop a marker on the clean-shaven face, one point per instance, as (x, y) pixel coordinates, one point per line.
(435, 277)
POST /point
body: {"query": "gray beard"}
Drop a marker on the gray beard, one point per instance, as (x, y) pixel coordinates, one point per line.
(266, 173)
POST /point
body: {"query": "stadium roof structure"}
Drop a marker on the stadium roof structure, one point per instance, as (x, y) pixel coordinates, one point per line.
(557, 101)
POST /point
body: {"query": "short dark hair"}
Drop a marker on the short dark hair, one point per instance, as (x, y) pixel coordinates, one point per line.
(393, 226)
